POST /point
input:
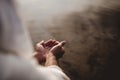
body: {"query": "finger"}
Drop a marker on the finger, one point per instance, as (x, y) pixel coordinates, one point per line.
(39, 46)
(47, 43)
(55, 43)
(40, 43)
(52, 43)
(62, 43)
(58, 46)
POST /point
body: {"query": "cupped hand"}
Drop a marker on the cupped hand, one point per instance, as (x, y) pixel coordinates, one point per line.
(58, 50)
(43, 49)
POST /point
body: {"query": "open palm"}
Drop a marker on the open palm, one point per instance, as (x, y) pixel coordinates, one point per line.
(44, 48)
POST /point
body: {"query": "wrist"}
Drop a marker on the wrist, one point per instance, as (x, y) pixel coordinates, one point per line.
(51, 59)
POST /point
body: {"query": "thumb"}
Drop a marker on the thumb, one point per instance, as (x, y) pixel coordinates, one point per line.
(39, 46)
(58, 46)
(62, 43)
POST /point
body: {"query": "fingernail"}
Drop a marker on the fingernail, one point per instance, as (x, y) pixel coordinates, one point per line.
(42, 41)
(62, 43)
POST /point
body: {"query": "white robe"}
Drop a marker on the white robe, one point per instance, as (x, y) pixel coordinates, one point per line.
(14, 67)
(14, 43)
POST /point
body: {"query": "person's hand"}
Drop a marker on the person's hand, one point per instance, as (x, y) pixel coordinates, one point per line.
(58, 49)
(54, 54)
(43, 49)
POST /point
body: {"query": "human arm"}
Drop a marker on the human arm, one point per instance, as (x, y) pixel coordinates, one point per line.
(54, 53)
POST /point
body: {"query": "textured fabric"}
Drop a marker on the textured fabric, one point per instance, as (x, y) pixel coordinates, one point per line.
(13, 67)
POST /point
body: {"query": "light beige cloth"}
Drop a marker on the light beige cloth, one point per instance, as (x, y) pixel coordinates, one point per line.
(13, 67)
(14, 41)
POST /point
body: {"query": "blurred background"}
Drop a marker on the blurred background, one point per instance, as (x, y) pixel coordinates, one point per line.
(90, 27)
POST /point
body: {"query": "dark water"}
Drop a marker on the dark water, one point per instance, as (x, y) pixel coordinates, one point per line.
(91, 29)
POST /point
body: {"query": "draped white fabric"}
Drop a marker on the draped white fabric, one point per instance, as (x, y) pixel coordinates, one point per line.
(14, 39)
(14, 67)
(13, 36)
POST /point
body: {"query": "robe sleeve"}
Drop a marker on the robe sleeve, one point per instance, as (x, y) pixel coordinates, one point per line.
(17, 68)
(53, 73)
